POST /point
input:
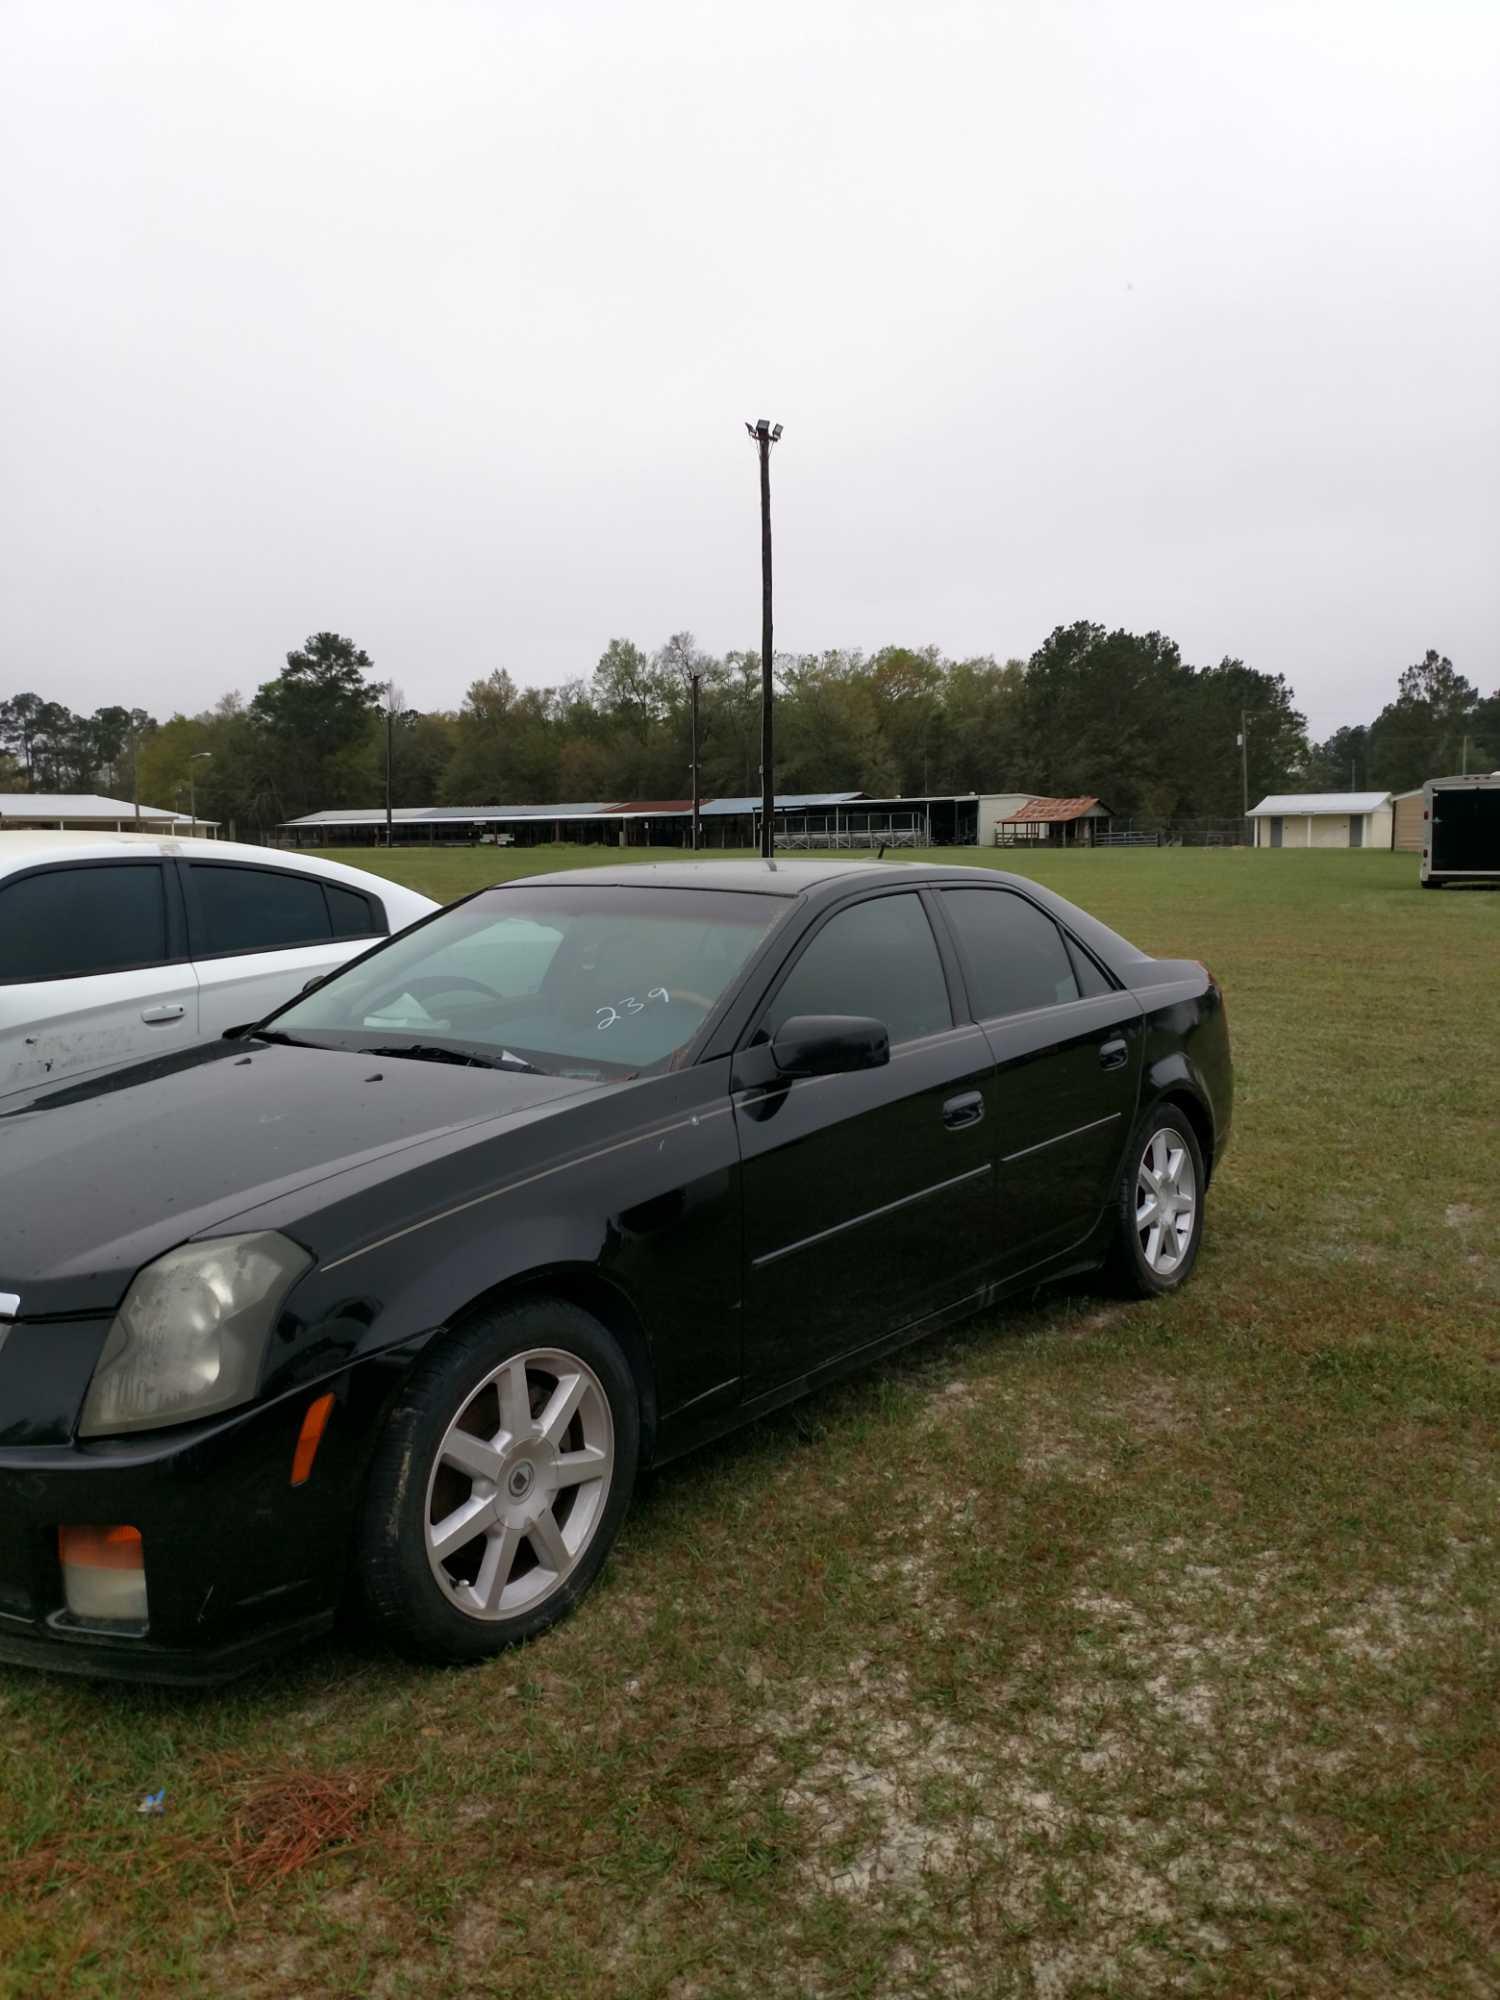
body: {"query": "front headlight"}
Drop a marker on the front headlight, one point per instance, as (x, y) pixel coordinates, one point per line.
(191, 1334)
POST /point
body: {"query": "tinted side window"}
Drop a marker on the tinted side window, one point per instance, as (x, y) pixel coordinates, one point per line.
(1015, 956)
(879, 959)
(353, 915)
(68, 922)
(255, 909)
(1091, 981)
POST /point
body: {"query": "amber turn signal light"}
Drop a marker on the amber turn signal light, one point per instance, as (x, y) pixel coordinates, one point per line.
(310, 1437)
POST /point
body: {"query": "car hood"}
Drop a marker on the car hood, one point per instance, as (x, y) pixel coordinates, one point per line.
(98, 1178)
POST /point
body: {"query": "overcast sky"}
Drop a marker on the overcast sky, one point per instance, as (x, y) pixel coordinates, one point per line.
(438, 324)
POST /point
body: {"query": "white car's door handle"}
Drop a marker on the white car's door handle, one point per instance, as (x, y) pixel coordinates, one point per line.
(153, 1016)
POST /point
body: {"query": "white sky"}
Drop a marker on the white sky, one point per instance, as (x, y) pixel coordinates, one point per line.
(438, 324)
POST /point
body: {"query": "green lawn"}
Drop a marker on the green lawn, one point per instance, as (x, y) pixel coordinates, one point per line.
(1096, 1650)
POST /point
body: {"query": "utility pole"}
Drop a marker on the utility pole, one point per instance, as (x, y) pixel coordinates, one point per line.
(695, 677)
(198, 757)
(394, 713)
(135, 783)
(1244, 764)
(1464, 768)
(765, 434)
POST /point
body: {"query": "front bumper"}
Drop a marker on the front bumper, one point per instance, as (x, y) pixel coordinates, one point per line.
(239, 1562)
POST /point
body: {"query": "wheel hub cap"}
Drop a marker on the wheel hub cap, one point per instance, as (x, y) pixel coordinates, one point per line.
(1166, 1196)
(519, 1484)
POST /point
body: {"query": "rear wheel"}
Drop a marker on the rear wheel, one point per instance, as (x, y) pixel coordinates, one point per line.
(500, 1481)
(1159, 1205)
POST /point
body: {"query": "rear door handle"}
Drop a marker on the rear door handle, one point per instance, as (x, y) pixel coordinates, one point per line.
(966, 1109)
(154, 1016)
(1115, 1054)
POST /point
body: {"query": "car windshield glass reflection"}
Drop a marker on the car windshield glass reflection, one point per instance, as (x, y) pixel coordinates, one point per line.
(580, 982)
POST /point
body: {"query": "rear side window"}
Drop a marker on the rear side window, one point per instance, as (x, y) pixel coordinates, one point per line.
(1015, 956)
(878, 959)
(256, 909)
(1091, 981)
(69, 922)
(353, 915)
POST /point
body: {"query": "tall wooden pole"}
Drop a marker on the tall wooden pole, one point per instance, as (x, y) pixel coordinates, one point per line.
(767, 729)
(693, 681)
(389, 718)
(765, 434)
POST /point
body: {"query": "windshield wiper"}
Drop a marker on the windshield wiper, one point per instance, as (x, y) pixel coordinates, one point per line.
(443, 1052)
(269, 1035)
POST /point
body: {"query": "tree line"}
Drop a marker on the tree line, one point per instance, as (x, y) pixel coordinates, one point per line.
(1120, 715)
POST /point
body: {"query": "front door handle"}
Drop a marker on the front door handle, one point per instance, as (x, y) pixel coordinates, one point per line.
(1115, 1054)
(154, 1016)
(966, 1109)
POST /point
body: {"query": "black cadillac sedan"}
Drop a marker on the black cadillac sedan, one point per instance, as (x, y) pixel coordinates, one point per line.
(401, 1287)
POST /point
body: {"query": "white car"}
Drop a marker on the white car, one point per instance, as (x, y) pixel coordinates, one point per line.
(120, 945)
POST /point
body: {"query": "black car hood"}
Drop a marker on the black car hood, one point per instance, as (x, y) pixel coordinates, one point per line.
(100, 1177)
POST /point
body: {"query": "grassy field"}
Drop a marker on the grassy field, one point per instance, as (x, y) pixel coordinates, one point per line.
(1097, 1650)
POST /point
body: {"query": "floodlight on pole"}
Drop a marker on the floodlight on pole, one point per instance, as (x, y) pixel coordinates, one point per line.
(764, 434)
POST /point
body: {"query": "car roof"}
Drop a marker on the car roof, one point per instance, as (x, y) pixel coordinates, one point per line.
(24, 846)
(757, 877)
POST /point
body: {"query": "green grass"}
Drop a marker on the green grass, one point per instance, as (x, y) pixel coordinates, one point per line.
(1096, 1650)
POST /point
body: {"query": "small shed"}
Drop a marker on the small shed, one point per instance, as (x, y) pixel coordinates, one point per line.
(1406, 820)
(1047, 822)
(1323, 819)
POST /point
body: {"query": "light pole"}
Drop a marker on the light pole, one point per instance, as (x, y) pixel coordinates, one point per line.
(198, 757)
(695, 681)
(392, 715)
(765, 434)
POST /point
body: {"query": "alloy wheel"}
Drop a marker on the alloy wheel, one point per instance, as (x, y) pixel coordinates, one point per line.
(1166, 1201)
(519, 1484)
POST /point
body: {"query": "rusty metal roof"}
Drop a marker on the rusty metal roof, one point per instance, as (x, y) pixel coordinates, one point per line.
(1044, 809)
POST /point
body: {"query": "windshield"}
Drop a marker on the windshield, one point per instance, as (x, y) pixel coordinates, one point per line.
(595, 982)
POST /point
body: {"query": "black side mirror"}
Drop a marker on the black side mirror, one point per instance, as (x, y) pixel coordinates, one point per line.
(830, 1045)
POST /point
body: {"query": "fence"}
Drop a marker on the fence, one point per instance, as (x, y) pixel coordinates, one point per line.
(818, 833)
(1139, 831)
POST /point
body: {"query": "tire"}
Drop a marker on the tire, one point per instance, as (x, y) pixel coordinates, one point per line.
(513, 1473)
(1141, 1262)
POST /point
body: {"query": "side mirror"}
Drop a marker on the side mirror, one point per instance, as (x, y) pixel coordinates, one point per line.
(830, 1045)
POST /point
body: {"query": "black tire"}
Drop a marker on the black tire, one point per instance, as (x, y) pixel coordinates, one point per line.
(1129, 1268)
(408, 1484)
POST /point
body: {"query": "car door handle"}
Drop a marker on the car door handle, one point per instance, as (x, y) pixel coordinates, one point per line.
(966, 1109)
(1115, 1054)
(154, 1016)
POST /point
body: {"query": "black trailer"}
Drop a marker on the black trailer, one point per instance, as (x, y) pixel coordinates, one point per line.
(1461, 830)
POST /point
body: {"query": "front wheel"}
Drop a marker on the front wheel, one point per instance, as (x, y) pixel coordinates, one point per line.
(1159, 1205)
(500, 1481)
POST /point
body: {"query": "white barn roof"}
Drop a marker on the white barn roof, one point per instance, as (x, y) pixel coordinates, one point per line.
(1283, 804)
(80, 805)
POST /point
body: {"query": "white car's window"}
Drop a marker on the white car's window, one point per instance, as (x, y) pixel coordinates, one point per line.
(354, 915)
(256, 909)
(67, 923)
(594, 981)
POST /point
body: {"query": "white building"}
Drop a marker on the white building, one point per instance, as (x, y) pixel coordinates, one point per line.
(83, 812)
(1323, 819)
